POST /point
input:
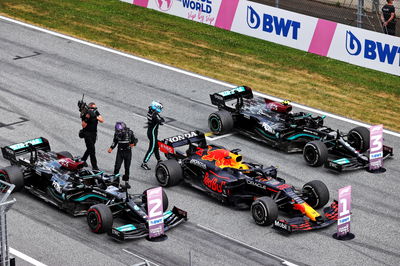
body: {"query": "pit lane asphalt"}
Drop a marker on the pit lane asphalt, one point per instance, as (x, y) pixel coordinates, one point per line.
(39, 92)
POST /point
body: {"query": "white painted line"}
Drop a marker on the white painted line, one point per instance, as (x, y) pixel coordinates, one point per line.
(247, 245)
(144, 259)
(219, 137)
(185, 72)
(25, 257)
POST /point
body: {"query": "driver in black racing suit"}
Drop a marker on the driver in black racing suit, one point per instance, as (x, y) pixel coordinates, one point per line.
(125, 139)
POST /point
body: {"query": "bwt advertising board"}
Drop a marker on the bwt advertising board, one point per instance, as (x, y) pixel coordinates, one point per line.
(274, 25)
(366, 48)
(345, 43)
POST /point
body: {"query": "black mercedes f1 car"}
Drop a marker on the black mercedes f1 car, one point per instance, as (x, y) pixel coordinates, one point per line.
(60, 179)
(275, 124)
(55, 176)
(222, 174)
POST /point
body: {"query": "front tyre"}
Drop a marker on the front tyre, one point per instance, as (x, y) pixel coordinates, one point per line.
(264, 211)
(169, 173)
(220, 122)
(100, 218)
(14, 175)
(358, 138)
(315, 153)
(164, 199)
(316, 193)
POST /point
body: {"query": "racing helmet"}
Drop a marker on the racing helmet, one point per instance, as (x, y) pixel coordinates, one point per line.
(157, 106)
(120, 126)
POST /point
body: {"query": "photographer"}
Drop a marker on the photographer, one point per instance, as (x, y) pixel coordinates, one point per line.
(90, 119)
(125, 139)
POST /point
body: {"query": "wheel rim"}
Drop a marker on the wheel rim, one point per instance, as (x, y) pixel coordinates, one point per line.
(214, 124)
(259, 213)
(313, 199)
(93, 221)
(162, 175)
(310, 154)
(4, 177)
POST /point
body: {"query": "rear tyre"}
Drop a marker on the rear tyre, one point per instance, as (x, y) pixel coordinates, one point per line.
(358, 138)
(169, 173)
(317, 194)
(315, 153)
(100, 218)
(220, 122)
(264, 211)
(66, 154)
(14, 175)
(164, 199)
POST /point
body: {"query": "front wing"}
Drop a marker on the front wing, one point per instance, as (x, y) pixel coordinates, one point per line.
(344, 164)
(305, 224)
(171, 219)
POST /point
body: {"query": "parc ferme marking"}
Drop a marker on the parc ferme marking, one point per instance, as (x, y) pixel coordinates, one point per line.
(191, 74)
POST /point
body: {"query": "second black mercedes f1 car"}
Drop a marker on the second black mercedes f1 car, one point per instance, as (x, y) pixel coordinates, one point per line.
(275, 124)
(222, 174)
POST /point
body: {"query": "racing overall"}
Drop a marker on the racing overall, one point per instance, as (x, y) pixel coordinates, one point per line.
(153, 121)
(90, 136)
(123, 139)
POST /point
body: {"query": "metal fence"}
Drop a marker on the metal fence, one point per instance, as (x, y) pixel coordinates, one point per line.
(5, 191)
(359, 13)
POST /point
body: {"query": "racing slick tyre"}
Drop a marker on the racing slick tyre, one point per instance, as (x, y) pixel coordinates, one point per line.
(164, 199)
(315, 153)
(13, 174)
(66, 154)
(169, 173)
(358, 138)
(100, 218)
(220, 122)
(317, 194)
(264, 211)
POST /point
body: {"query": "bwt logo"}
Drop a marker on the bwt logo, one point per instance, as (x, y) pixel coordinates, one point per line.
(279, 26)
(372, 49)
(164, 5)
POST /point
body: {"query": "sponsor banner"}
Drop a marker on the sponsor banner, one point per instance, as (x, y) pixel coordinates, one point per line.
(274, 25)
(342, 42)
(155, 212)
(204, 11)
(343, 227)
(376, 147)
(366, 48)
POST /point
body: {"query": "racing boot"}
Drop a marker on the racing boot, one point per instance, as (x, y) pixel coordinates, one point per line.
(145, 166)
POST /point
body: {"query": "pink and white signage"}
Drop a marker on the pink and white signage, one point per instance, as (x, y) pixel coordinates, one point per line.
(376, 147)
(326, 38)
(343, 227)
(155, 212)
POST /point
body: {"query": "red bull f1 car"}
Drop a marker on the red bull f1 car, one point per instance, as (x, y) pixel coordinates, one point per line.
(222, 174)
(275, 124)
(60, 179)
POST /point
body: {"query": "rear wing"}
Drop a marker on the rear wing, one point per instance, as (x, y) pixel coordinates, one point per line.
(12, 151)
(220, 98)
(168, 145)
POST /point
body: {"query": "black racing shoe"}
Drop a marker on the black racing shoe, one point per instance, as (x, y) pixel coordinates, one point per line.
(145, 166)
